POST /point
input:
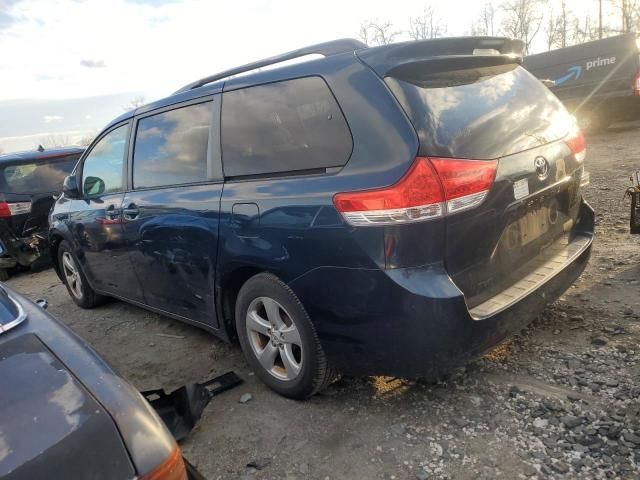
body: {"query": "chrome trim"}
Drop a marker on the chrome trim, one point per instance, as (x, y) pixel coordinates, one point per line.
(22, 316)
(549, 264)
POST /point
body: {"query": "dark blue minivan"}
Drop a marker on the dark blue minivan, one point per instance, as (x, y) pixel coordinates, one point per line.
(393, 210)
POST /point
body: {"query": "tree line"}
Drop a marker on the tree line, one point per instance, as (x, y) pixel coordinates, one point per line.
(540, 24)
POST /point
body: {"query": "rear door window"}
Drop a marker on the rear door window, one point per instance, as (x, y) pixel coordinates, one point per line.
(171, 147)
(41, 176)
(283, 127)
(481, 113)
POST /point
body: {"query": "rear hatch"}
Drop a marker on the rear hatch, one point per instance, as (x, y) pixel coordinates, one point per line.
(27, 189)
(490, 110)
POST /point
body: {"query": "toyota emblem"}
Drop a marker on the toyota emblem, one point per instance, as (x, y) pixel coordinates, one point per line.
(542, 167)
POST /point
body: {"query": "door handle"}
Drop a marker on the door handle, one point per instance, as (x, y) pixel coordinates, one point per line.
(131, 212)
(111, 213)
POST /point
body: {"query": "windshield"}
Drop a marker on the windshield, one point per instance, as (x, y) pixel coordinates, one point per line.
(36, 177)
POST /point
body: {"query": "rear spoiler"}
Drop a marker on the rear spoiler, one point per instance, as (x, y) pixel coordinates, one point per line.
(445, 53)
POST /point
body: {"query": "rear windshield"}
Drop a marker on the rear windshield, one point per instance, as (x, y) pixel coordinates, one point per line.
(40, 176)
(480, 113)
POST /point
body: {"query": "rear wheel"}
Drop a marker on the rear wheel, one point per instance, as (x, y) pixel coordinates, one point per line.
(74, 278)
(278, 338)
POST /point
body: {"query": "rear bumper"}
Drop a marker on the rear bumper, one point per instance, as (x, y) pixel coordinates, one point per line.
(414, 322)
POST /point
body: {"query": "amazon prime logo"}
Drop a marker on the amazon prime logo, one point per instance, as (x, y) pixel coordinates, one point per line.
(542, 167)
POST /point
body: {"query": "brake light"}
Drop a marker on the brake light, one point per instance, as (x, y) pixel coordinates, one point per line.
(577, 143)
(466, 183)
(14, 208)
(171, 469)
(636, 85)
(431, 188)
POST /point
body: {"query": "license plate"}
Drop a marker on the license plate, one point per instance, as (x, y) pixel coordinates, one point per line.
(534, 225)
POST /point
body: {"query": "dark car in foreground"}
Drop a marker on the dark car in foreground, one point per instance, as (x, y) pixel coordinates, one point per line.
(28, 183)
(65, 414)
(598, 81)
(394, 210)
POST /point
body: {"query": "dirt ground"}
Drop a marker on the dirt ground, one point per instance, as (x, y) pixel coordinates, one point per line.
(562, 400)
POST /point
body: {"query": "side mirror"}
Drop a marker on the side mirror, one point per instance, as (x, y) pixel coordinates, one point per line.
(93, 186)
(70, 187)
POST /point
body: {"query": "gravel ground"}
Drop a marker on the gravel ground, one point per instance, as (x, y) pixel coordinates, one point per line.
(561, 400)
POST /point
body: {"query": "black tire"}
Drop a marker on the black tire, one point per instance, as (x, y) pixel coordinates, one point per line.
(81, 293)
(314, 373)
(4, 274)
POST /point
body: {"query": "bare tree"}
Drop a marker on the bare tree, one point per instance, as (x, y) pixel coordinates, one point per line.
(427, 25)
(558, 28)
(134, 103)
(377, 33)
(522, 19)
(551, 30)
(564, 27)
(486, 23)
(85, 140)
(55, 140)
(584, 30)
(630, 15)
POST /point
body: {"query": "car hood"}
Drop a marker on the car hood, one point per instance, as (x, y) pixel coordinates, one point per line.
(48, 419)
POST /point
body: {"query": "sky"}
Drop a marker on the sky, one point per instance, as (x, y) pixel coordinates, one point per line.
(67, 67)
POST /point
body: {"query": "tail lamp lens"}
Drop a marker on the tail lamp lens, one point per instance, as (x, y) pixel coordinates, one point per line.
(430, 189)
(8, 209)
(172, 468)
(466, 183)
(577, 143)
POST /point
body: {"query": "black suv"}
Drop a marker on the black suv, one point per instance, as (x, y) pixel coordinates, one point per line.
(28, 183)
(393, 210)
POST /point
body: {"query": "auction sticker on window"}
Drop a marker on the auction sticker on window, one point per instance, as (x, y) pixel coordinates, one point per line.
(521, 188)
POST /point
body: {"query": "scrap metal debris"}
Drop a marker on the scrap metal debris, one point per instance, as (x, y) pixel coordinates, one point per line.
(633, 192)
(181, 409)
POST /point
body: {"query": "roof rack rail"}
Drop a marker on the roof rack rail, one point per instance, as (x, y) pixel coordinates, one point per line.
(327, 49)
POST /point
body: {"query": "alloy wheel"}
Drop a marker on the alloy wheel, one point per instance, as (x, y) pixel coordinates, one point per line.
(274, 338)
(71, 274)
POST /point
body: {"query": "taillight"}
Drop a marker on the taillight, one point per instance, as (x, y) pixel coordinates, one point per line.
(14, 208)
(466, 183)
(636, 85)
(577, 143)
(431, 188)
(171, 469)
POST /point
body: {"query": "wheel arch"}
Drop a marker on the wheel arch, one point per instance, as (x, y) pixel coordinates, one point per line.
(230, 284)
(55, 238)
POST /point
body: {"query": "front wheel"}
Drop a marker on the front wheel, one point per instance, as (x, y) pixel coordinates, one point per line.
(74, 279)
(278, 339)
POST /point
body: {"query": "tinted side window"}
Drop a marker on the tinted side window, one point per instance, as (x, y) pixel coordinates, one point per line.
(102, 168)
(171, 147)
(282, 127)
(38, 177)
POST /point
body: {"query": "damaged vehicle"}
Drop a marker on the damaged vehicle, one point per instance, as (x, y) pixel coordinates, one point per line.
(29, 183)
(66, 414)
(394, 210)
